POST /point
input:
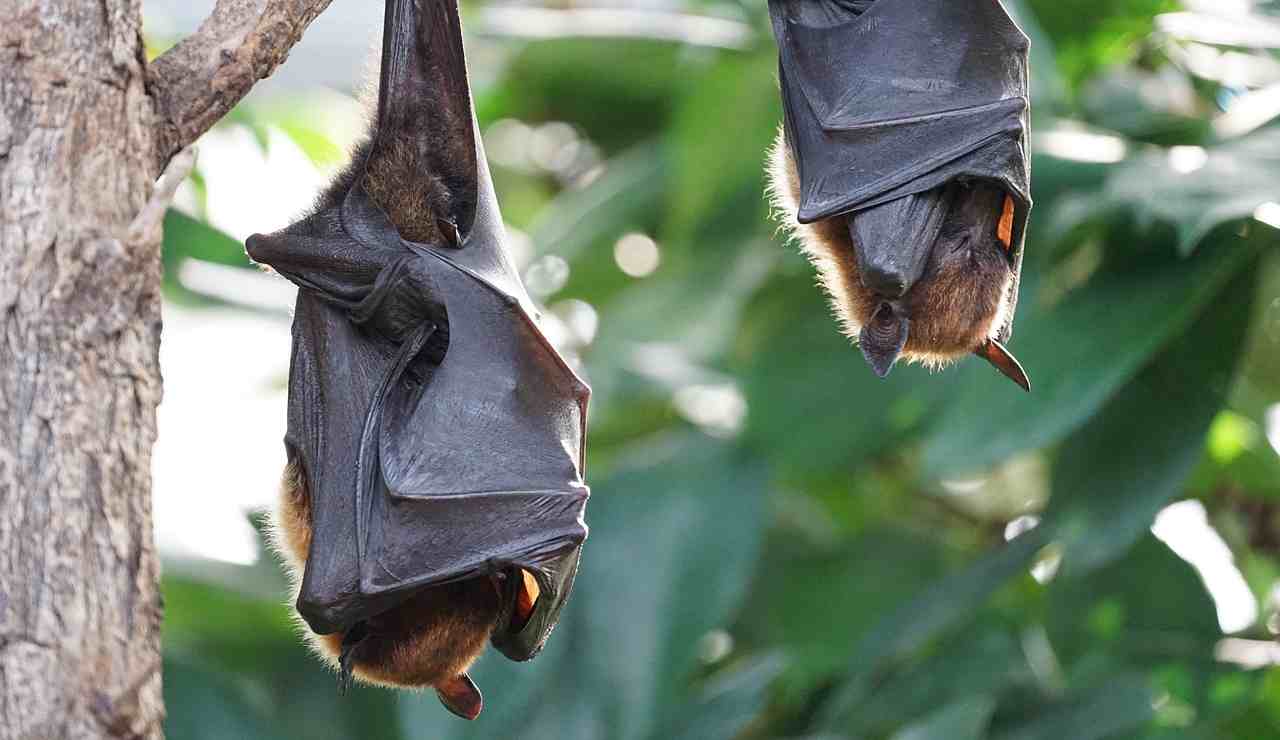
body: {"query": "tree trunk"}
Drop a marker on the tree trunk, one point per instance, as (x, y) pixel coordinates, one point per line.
(79, 375)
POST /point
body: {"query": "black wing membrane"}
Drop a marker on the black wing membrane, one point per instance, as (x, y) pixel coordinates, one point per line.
(440, 434)
(891, 98)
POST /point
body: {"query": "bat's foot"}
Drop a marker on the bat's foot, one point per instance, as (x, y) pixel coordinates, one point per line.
(461, 696)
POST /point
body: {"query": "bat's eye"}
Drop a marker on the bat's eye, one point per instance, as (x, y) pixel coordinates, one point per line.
(1004, 231)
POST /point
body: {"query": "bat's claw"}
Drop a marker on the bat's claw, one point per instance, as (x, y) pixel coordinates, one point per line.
(449, 230)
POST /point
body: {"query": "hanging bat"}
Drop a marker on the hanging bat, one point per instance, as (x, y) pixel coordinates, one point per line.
(433, 499)
(902, 169)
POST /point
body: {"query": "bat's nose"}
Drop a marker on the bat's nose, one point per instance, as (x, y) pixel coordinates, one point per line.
(323, 619)
(885, 280)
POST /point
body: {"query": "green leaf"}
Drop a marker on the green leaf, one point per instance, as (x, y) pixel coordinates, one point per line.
(1079, 353)
(236, 667)
(314, 142)
(1228, 183)
(200, 615)
(735, 111)
(321, 122)
(619, 91)
(1145, 609)
(1102, 501)
(187, 237)
(1090, 34)
(589, 219)
(725, 707)
(206, 705)
(1237, 454)
(859, 581)
(671, 549)
(1121, 704)
(907, 628)
(988, 663)
(1166, 112)
(815, 409)
(963, 720)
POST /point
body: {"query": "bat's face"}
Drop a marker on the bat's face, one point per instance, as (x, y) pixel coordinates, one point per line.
(925, 278)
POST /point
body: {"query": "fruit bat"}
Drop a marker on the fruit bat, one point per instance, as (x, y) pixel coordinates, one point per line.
(902, 169)
(433, 498)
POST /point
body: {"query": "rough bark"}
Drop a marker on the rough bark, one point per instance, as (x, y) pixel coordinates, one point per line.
(79, 375)
(80, 277)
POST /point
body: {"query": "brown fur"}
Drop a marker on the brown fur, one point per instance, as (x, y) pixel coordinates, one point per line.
(403, 188)
(958, 303)
(292, 520)
(423, 169)
(399, 183)
(426, 640)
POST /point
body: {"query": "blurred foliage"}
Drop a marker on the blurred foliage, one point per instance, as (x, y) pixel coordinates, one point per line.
(783, 545)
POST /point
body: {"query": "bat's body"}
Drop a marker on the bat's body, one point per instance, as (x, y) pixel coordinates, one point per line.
(434, 497)
(902, 170)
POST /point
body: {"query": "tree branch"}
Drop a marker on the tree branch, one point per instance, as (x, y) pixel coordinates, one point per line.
(147, 225)
(197, 82)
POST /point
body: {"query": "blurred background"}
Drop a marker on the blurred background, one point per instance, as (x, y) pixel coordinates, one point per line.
(783, 546)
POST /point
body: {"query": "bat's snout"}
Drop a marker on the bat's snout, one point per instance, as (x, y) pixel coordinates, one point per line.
(892, 241)
(888, 264)
(322, 619)
(886, 280)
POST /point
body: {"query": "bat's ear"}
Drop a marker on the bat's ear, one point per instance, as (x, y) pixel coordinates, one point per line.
(1004, 361)
(882, 339)
(461, 696)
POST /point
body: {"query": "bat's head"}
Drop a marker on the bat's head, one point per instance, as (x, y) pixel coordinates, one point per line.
(924, 278)
(431, 639)
(428, 640)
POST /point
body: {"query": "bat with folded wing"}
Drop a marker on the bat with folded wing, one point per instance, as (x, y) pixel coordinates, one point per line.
(902, 168)
(434, 498)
